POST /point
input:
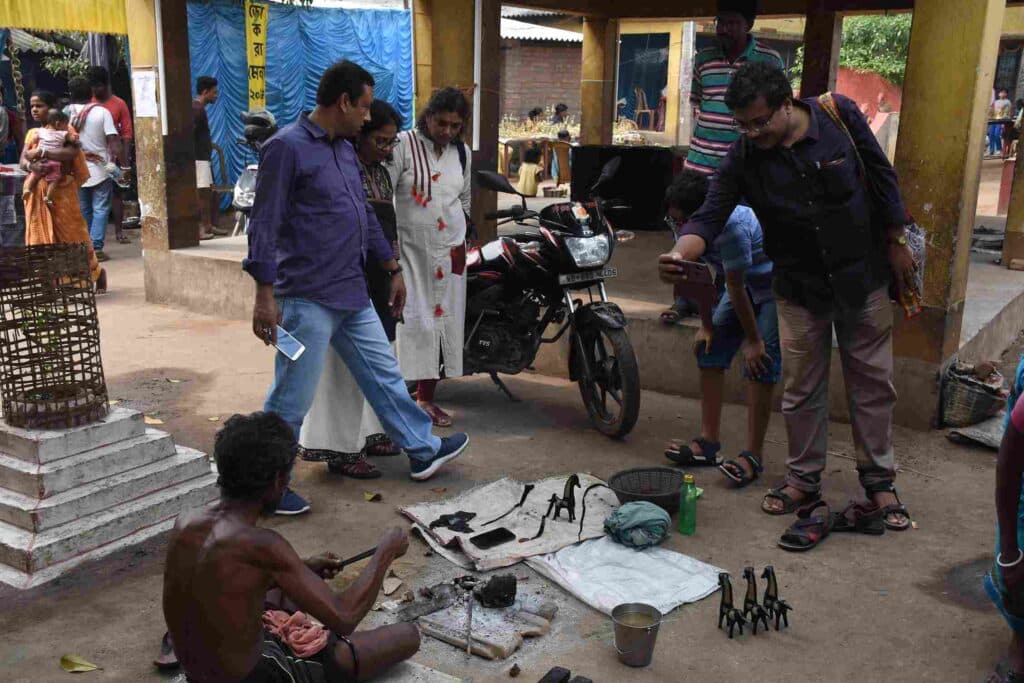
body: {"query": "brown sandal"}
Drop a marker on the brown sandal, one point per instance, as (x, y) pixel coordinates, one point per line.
(354, 465)
(380, 445)
(437, 416)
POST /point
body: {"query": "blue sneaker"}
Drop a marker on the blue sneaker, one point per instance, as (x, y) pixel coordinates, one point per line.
(291, 503)
(451, 448)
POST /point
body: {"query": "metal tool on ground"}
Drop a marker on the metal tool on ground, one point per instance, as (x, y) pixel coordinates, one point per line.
(775, 606)
(543, 520)
(751, 609)
(636, 630)
(526, 492)
(456, 521)
(583, 502)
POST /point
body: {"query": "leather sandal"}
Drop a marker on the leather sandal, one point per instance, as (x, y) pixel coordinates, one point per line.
(354, 465)
(735, 472)
(378, 445)
(789, 504)
(437, 416)
(809, 529)
(315, 454)
(862, 517)
(684, 456)
(897, 508)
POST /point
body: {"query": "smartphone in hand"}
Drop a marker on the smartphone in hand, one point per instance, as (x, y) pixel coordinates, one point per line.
(291, 347)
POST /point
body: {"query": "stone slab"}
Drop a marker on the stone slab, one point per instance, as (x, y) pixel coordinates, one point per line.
(29, 552)
(46, 445)
(33, 514)
(53, 477)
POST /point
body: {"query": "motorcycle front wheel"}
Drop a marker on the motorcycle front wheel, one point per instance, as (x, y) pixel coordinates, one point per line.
(612, 391)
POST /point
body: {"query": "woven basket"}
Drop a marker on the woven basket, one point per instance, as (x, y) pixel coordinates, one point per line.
(658, 485)
(967, 400)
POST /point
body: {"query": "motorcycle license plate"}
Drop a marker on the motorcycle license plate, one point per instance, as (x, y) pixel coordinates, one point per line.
(587, 276)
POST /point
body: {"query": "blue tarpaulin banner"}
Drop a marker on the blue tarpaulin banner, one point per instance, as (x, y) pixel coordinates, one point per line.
(301, 44)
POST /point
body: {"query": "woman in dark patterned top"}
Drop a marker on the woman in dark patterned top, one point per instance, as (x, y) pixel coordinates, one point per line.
(341, 427)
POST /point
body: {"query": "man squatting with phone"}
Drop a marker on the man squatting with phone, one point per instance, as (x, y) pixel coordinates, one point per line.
(744, 320)
(311, 232)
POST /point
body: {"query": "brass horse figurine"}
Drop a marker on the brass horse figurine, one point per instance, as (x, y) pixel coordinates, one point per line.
(775, 606)
(726, 612)
(751, 609)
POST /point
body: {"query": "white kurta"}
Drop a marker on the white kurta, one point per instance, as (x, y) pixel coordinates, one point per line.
(435, 310)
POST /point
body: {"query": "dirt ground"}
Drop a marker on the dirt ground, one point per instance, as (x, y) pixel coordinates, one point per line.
(901, 607)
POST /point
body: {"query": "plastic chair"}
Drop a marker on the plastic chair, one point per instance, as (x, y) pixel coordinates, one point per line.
(642, 109)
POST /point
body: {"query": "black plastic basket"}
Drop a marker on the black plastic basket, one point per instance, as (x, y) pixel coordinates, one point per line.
(658, 485)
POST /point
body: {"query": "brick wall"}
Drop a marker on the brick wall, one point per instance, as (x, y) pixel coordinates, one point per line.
(539, 74)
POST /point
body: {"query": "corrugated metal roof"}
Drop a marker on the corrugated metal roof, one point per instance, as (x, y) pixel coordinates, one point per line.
(507, 11)
(520, 30)
(26, 42)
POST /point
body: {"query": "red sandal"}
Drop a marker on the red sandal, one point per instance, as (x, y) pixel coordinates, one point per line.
(354, 465)
(379, 445)
(437, 416)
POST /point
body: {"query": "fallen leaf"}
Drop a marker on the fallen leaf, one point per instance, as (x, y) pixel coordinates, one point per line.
(372, 497)
(439, 491)
(152, 420)
(391, 585)
(215, 418)
(74, 664)
(174, 381)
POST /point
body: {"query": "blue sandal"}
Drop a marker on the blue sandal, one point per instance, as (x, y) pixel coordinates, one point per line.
(685, 457)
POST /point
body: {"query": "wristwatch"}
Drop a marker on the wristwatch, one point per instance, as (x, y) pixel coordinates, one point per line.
(901, 240)
(396, 271)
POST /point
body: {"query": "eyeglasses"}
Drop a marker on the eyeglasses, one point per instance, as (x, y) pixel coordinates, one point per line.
(757, 125)
(385, 144)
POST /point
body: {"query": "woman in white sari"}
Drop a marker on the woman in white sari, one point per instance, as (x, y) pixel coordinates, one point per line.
(431, 174)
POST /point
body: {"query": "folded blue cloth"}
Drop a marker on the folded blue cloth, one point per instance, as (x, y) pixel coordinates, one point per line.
(638, 525)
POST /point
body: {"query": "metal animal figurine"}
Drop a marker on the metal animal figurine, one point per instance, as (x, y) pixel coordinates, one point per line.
(775, 606)
(568, 500)
(456, 521)
(726, 612)
(751, 610)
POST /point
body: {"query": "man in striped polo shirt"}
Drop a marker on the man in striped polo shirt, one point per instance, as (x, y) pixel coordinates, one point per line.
(713, 69)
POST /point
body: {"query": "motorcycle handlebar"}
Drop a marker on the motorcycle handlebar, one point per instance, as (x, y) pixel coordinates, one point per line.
(513, 212)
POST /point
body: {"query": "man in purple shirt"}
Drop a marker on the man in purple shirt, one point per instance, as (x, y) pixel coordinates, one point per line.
(835, 249)
(310, 236)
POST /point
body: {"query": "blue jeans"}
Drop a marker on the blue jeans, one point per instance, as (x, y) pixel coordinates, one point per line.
(359, 339)
(995, 138)
(727, 337)
(95, 204)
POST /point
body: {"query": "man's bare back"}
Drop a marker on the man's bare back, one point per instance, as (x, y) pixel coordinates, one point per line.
(220, 566)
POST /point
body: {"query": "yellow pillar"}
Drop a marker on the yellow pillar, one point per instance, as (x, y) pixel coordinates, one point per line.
(823, 37)
(940, 181)
(597, 85)
(1013, 246)
(423, 36)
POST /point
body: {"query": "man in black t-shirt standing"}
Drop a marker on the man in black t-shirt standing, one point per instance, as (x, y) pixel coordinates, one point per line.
(206, 93)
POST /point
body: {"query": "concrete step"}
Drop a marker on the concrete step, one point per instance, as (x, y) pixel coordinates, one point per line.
(29, 553)
(33, 514)
(41, 481)
(45, 445)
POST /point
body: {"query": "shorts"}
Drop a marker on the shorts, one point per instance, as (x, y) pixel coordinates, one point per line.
(204, 174)
(727, 336)
(278, 665)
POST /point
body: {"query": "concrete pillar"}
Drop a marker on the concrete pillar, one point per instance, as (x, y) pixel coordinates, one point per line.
(687, 52)
(1013, 246)
(157, 31)
(597, 85)
(823, 37)
(448, 53)
(940, 181)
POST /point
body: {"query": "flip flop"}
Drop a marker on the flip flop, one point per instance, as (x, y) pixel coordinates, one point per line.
(809, 529)
(166, 660)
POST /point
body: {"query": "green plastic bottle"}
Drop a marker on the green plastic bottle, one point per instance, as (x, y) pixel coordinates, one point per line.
(688, 506)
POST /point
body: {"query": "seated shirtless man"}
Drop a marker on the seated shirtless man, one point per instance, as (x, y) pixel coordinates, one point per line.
(221, 566)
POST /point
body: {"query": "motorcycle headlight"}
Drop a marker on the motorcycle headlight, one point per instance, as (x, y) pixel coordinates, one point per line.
(589, 252)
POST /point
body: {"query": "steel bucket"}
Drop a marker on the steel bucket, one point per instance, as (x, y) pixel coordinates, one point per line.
(636, 629)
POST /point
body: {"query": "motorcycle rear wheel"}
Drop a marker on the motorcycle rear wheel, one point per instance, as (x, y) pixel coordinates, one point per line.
(612, 394)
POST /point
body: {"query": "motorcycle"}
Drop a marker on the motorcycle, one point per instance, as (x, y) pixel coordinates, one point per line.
(259, 127)
(520, 284)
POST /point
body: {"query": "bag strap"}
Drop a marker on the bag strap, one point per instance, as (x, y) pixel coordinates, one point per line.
(461, 146)
(829, 106)
(81, 116)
